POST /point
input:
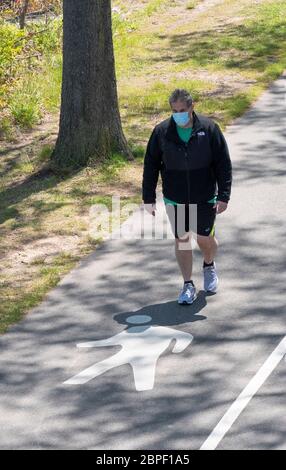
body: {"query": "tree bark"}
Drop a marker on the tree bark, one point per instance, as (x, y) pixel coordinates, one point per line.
(23, 13)
(90, 124)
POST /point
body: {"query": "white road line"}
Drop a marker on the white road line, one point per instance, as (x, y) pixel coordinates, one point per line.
(244, 398)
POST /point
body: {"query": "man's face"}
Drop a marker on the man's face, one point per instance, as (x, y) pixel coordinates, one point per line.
(182, 107)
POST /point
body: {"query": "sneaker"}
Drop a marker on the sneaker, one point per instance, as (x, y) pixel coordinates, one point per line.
(210, 278)
(188, 294)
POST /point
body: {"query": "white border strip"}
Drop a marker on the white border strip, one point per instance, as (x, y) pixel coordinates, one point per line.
(244, 398)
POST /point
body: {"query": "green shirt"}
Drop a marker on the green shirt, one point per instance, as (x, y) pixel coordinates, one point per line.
(185, 134)
(168, 201)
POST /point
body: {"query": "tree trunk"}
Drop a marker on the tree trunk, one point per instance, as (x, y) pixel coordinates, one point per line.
(90, 125)
(23, 13)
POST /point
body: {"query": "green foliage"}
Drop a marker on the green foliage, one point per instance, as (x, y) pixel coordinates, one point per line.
(111, 167)
(30, 72)
(45, 153)
(45, 38)
(121, 24)
(11, 45)
(25, 104)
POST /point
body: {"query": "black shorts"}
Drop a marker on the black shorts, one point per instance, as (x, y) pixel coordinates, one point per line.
(197, 218)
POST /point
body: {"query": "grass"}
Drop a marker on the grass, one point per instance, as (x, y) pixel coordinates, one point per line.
(16, 301)
(30, 74)
(225, 57)
(192, 4)
(251, 46)
(240, 42)
(50, 208)
(36, 93)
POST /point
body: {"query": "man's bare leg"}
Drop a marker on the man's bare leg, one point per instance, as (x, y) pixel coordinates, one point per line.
(208, 246)
(184, 256)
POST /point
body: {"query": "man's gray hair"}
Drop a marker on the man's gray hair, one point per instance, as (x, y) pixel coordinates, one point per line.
(181, 95)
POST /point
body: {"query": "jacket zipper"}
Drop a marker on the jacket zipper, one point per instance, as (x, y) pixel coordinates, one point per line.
(186, 155)
(188, 181)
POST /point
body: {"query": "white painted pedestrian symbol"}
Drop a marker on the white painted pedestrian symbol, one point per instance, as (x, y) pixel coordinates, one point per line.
(142, 345)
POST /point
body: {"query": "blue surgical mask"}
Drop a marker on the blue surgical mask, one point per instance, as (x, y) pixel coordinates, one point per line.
(181, 119)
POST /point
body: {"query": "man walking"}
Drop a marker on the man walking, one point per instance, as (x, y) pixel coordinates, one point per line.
(192, 156)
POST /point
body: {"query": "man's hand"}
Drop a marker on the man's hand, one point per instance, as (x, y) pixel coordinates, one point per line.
(150, 208)
(220, 207)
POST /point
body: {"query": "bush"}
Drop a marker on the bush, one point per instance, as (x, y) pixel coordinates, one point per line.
(11, 45)
(45, 38)
(24, 56)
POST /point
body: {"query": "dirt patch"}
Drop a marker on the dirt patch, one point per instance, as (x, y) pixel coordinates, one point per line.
(129, 7)
(181, 14)
(163, 56)
(44, 132)
(44, 250)
(221, 84)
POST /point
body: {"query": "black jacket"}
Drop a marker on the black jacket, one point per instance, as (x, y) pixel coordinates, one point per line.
(191, 172)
